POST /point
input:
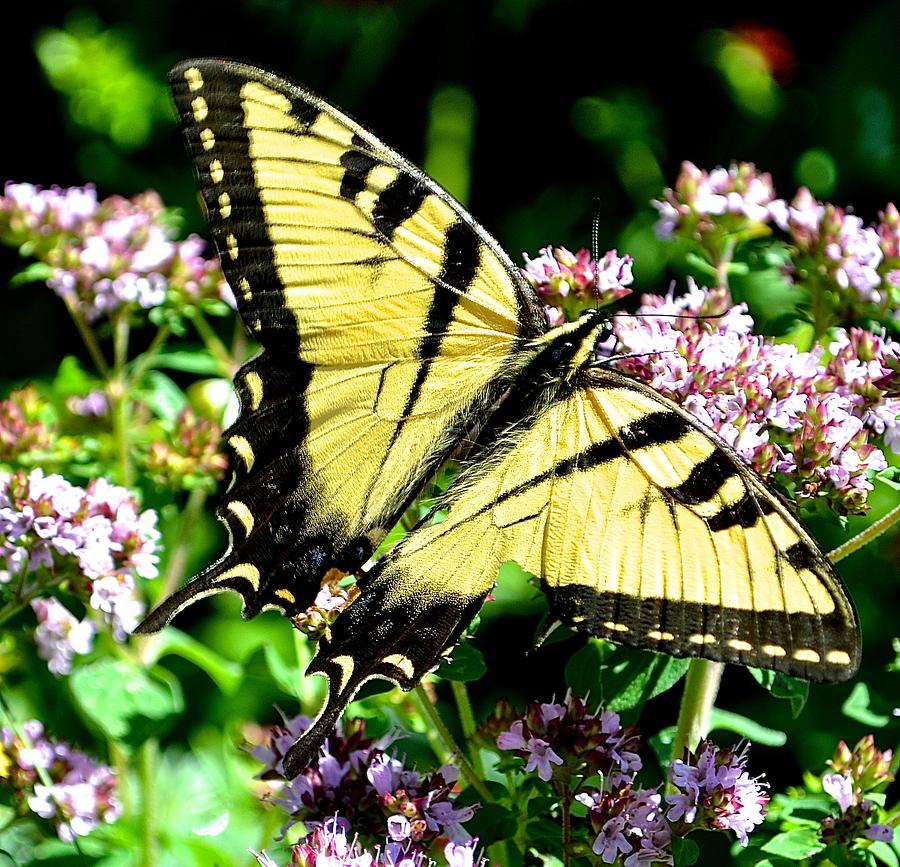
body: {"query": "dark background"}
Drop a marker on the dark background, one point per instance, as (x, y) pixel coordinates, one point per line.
(574, 102)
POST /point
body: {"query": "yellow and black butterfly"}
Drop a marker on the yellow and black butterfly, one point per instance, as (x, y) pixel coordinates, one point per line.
(392, 324)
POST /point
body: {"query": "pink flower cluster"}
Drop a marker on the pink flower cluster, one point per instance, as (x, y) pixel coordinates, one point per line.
(804, 419)
(81, 794)
(93, 539)
(860, 264)
(567, 281)
(563, 742)
(856, 773)
(715, 791)
(22, 429)
(372, 791)
(330, 845)
(107, 254)
(738, 193)
(189, 457)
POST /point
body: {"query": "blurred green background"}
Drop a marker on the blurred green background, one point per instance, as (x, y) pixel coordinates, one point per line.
(530, 111)
(536, 114)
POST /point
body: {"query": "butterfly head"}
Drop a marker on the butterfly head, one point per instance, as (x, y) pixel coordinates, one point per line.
(573, 345)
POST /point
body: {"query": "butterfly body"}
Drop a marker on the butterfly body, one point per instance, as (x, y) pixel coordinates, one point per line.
(392, 325)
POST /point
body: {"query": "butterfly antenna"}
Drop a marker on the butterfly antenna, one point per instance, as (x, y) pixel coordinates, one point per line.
(595, 248)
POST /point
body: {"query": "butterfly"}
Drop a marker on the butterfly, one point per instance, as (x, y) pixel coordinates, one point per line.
(392, 325)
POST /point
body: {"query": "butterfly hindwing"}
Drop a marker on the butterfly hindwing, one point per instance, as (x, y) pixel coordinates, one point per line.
(643, 527)
(388, 320)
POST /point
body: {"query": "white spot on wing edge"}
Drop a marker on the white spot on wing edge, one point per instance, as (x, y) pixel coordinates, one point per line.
(737, 644)
(242, 512)
(254, 384)
(216, 172)
(404, 663)
(200, 109)
(207, 139)
(194, 78)
(838, 657)
(245, 451)
(346, 666)
(232, 243)
(616, 627)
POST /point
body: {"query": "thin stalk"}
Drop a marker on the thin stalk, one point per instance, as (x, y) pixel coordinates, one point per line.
(148, 761)
(467, 721)
(700, 687)
(177, 563)
(430, 711)
(872, 532)
(147, 357)
(88, 336)
(214, 345)
(567, 828)
(124, 793)
(721, 262)
(14, 606)
(117, 391)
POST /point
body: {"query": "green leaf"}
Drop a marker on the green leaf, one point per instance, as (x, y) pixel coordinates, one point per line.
(122, 700)
(684, 852)
(885, 853)
(466, 664)
(285, 674)
(36, 272)
(890, 477)
(584, 669)
(642, 679)
(792, 689)
(72, 379)
(197, 361)
(748, 728)
(491, 823)
(162, 395)
(858, 707)
(623, 678)
(546, 860)
(226, 674)
(795, 845)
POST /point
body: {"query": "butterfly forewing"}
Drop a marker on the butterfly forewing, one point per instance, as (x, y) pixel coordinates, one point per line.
(388, 321)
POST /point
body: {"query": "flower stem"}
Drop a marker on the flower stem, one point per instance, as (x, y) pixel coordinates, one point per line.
(148, 759)
(430, 711)
(467, 721)
(872, 532)
(177, 564)
(147, 357)
(117, 392)
(700, 687)
(566, 805)
(214, 345)
(87, 335)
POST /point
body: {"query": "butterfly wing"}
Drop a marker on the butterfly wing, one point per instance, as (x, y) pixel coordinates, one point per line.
(387, 318)
(644, 528)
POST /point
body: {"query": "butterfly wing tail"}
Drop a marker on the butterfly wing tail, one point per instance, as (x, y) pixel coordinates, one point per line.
(386, 633)
(242, 578)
